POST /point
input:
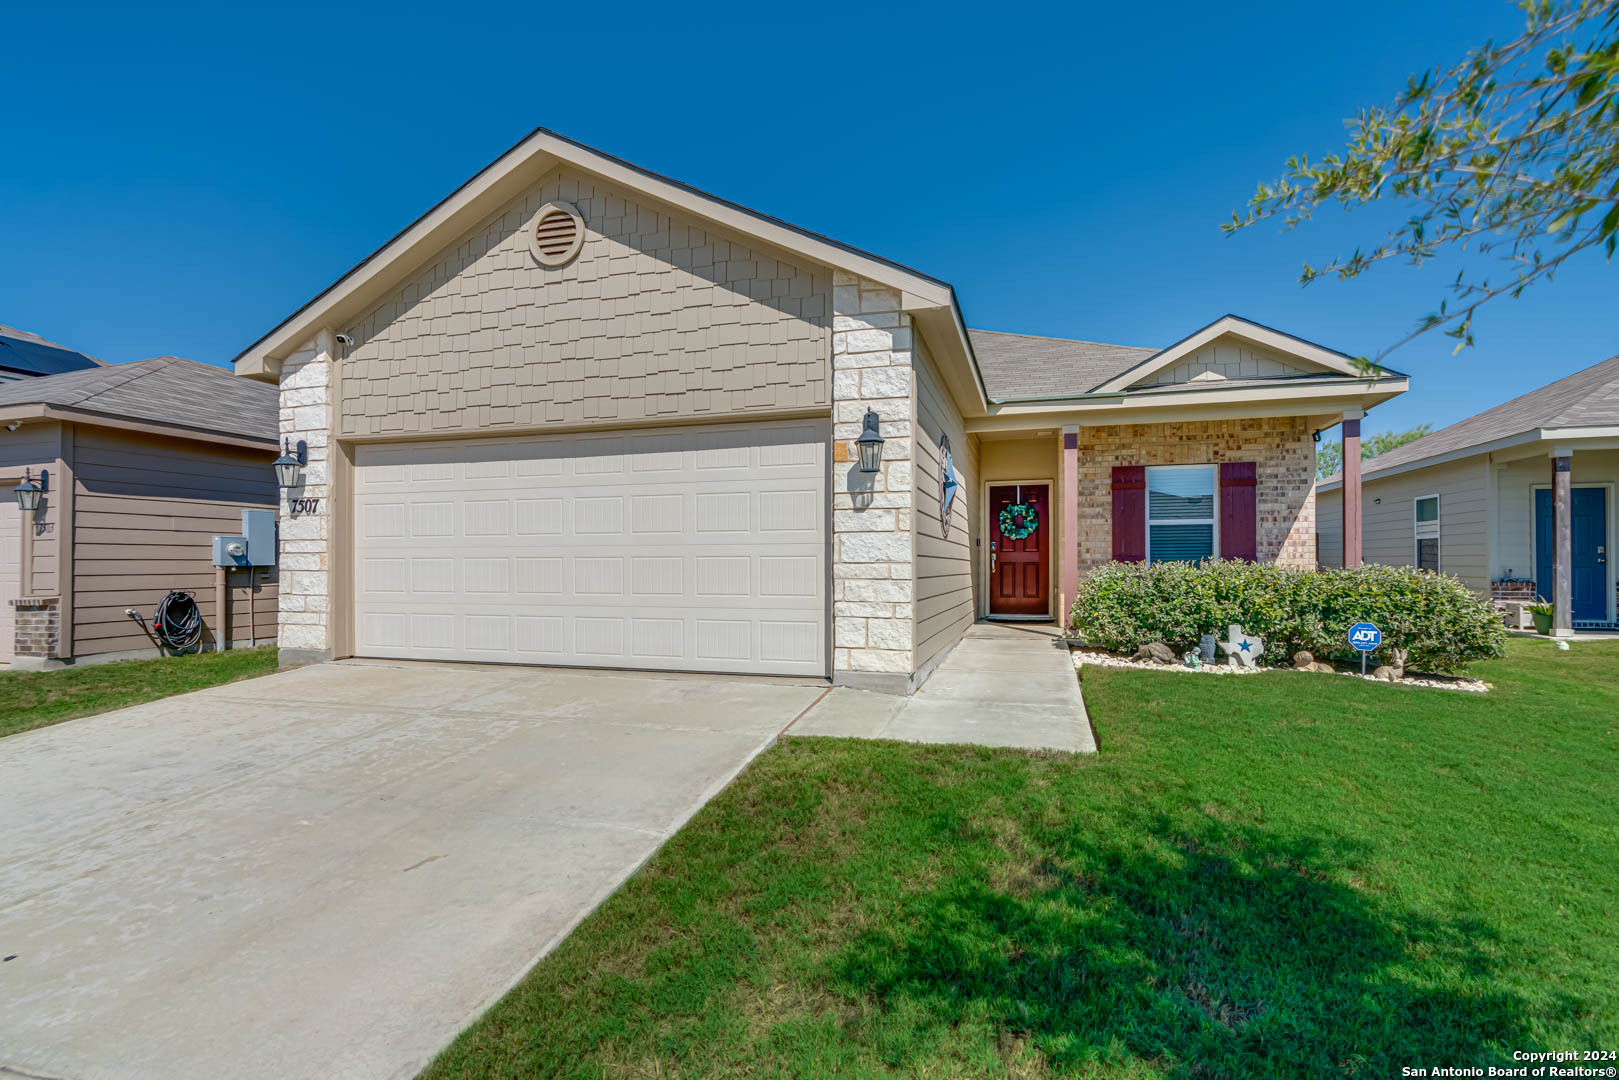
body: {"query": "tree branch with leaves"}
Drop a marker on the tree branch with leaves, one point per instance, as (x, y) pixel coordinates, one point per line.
(1329, 456)
(1512, 153)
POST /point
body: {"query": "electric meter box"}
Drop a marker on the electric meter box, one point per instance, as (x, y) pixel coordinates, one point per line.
(258, 526)
(230, 551)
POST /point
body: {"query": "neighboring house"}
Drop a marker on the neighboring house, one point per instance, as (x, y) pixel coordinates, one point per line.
(1481, 499)
(144, 464)
(582, 414)
(27, 356)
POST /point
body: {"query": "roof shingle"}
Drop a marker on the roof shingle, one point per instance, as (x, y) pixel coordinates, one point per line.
(1588, 398)
(1024, 366)
(164, 390)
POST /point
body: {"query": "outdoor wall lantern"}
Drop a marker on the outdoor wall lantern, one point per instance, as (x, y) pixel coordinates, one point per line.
(871, 444)
(290, 461)
(29, 491)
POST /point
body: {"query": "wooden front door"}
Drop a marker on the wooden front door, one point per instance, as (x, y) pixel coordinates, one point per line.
(1020, 567)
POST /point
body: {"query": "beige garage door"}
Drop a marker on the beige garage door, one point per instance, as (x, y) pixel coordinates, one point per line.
(692, 549)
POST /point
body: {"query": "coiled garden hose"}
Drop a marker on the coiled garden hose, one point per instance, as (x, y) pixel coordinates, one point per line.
(177, 622)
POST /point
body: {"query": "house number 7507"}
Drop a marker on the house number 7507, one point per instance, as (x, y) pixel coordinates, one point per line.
(304, 506)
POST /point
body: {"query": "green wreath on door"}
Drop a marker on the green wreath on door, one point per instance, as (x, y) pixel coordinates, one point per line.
(1019, 520)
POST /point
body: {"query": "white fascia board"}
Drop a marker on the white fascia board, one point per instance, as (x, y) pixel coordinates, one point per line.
(514, 170)
(1240, 327)
(1506, 443)
(1325, 397)
(1590, 438)
(1579, 433)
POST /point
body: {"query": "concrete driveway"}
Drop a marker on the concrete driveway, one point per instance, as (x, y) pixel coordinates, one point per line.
(330, 872)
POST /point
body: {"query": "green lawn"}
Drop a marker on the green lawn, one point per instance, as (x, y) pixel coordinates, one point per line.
(1288, 875)
(31, 699)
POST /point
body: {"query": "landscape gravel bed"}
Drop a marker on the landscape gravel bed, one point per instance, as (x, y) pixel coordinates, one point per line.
(1087, 654)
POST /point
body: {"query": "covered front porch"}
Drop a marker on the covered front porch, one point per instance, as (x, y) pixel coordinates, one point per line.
(1204, 449)
(1063, 500)
(1555, 521)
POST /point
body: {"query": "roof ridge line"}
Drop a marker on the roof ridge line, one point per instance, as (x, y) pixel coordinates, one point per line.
(118, 375)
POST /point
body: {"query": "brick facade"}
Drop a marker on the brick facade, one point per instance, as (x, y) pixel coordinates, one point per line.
(1281, 447)
(1519, 590)
(39, 627)
(873, 551)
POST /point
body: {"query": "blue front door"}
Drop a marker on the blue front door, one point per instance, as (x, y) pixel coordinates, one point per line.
(1589, 576)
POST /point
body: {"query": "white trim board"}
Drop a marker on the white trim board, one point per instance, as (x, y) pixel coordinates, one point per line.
(1237, 326)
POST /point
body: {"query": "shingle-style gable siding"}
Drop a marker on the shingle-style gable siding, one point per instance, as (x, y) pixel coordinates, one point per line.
(1234, 359)
(657, 318)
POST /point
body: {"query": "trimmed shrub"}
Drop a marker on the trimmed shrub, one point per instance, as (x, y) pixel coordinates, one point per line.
(1123, 606)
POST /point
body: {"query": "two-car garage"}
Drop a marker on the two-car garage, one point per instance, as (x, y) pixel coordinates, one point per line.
(688, 549)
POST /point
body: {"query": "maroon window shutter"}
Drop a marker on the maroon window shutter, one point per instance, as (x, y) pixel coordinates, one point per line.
(1129, 513)
(1239, 511)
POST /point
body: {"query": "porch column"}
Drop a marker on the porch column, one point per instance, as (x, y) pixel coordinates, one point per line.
(1068, 492)
(1562, 547)
(1351, 491)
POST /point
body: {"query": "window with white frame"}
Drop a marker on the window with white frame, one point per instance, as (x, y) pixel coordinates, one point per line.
(1425, 514)
(1180, 513)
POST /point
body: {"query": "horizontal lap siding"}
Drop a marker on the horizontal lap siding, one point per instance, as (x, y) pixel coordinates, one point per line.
(1329, 526)
(944, 579)
(146, 511)
(1388, 529)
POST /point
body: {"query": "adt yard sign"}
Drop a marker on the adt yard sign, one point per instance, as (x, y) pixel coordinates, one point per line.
(1364, 637)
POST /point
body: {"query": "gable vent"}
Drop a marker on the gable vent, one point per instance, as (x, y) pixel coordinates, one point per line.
(557, 234)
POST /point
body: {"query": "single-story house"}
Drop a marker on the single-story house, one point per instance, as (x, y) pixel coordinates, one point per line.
(28, 356)
(582, 414)
(1518, 501)
(142, 465)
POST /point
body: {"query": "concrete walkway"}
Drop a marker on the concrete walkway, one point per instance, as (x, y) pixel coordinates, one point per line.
(330, 872)
(1004, 684)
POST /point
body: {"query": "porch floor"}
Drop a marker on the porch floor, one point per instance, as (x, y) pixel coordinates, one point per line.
(1004, 684)
(1580, 634)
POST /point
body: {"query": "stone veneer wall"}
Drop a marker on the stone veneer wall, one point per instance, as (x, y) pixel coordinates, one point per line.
(306, 414)
(873, 556)
(1281, 447)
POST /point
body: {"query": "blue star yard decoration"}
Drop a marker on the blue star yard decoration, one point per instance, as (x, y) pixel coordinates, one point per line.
(1242, 648)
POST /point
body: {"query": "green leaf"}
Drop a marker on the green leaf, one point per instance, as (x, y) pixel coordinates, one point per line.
(1610, 221)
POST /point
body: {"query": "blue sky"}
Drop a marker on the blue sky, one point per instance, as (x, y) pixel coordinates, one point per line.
(179, 180)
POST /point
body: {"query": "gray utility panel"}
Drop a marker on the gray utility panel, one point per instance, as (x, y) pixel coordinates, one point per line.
(258, 526)
(230, 551)
(255, 547)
